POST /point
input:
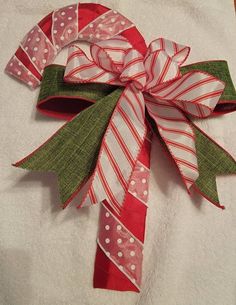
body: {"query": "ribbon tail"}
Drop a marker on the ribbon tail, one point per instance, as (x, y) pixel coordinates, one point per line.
(178, 136)
(213, 160)
(72, 151)
(119, 151)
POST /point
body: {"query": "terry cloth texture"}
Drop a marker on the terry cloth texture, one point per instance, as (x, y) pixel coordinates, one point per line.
(47, 255)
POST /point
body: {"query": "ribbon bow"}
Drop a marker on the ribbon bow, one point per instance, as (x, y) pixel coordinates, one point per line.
(152, 82)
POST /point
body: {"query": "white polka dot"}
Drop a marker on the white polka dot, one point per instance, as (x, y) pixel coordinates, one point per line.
(131, 239)
(107, 214)
(63, 13)
(122, 23)
(30, 83)
(91, 25)
(69, 31)
(132, 182)
(70, 8)
(110, 29)
(100, 25)
(119, 240)
(108, 253)
(132, 253)
(90, 35)
(115, 12)
(144, 180)
(107, 227)
(57, 46)
(145, 193)
(32, 32)
(62, 38)
(26, 48)
(107, 240)
(120, 254)
(29, 39)
(55, 19)
(97, 35)
(35, 49)
(39, 30)
(41, 71)
(11, 64)
(113, 19)
(142, 169)
(45, 50)
(19, 63)
(118, 227)
(132, 267)
(69, 18)
(55, 31)
(121, 267)
(18, 73)
(29, 73)
(81, 35)
(44, 61)
(33, 58)
(103, 17)
(134, 193)
(62, 24)
(37, 39)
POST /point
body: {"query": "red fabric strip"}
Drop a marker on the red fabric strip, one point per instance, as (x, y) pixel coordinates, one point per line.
(22, 56)
(136, 39)
(88, 12)
(108, 276)
(46, 26)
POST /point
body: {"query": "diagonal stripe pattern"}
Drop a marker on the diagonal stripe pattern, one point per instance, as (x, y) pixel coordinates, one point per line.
(152, 82)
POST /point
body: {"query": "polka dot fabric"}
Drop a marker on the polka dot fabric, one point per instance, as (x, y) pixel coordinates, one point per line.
(38, 48)
(104, 27)
(15, 66)
(120, 246)
(139, 182)
(65, 26)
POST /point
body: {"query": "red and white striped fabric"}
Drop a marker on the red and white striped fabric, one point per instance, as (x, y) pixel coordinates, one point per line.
(153, 81)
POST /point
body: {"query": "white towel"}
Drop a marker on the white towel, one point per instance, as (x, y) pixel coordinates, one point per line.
(46, 254)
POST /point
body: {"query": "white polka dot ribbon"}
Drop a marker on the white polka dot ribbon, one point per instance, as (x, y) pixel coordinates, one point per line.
(152, 82)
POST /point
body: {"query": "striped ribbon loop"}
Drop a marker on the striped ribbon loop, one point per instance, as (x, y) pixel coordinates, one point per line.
(153, 82)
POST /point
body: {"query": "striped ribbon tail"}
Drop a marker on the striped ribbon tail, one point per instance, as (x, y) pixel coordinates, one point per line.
(118, 263)
(119, 151)
(178, 136)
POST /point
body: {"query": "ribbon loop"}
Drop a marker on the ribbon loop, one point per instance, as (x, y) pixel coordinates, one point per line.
(133, 69)
(175, 51)
(109, 54)
(154, 81)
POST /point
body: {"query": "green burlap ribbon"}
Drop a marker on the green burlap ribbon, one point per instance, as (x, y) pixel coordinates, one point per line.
(72, 151)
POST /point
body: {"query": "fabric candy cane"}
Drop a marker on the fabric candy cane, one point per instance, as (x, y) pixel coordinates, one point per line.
(104, 152)
(91, 22)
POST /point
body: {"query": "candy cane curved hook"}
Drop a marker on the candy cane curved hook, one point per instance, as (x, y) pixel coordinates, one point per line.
(83, 21)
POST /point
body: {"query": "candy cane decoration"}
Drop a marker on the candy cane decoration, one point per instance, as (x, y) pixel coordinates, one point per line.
(115, 267)
(154, 85)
